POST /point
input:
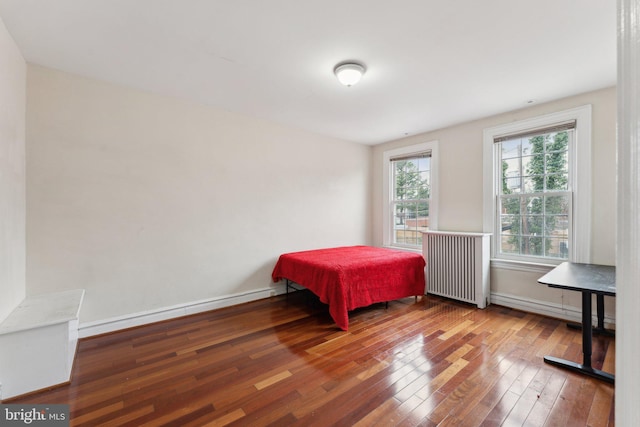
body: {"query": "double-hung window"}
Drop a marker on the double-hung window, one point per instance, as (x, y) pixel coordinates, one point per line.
(409, 194)
(539, 187)
(534, 197)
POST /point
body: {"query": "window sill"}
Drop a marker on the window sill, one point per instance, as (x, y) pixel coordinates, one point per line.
(404, 248)
(528, 267)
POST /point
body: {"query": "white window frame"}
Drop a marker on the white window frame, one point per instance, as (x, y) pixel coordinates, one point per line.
(387, 189)
(580, 177)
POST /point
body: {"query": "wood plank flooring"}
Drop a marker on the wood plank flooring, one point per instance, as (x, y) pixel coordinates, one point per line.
(283, 362)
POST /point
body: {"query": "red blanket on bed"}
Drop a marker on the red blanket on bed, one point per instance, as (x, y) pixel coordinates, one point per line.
(349, 277)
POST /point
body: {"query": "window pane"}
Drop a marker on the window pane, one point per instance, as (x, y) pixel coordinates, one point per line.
(557, 182)
(510, 244)
(425, 177)
(511, 185)
(532, 246)
(511, 167)
(534, 205)
(538, 143)
(510, 224)
(424, 163)
(533, 183)
(527, 148)
(423, 213)
(510, 206)
(557, 205)
(558, 141)
(400, 213)
(533, 225)
(534, 165)
(557, 226)
(557, 247)
(511, 148)
(557, 161)
(526, 164)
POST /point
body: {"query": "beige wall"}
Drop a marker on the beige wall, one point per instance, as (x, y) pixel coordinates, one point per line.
(148, 201)
(12, 173)
(461, 191)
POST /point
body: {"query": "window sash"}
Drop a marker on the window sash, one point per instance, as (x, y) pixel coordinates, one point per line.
(539, 235)
(552, 164)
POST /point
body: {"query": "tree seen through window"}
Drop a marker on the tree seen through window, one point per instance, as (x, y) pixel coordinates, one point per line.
(411, 192)
(535, 201)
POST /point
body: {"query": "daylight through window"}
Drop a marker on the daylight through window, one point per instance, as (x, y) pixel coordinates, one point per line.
(534, 193)
(411, 178)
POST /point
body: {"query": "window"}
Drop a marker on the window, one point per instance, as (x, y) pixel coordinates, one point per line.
(409, 194)
(537, 174)
(410, 203)
(534, 201)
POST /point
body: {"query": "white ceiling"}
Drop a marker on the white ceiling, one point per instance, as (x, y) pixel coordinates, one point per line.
(430, 63)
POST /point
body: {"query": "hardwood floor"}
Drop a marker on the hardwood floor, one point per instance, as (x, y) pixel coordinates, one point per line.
(283, 362)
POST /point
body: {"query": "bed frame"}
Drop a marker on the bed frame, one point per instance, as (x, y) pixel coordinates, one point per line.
(349, 277)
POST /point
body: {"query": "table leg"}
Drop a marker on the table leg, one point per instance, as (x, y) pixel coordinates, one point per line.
(599, 329)
(587, 334)
(585, 367)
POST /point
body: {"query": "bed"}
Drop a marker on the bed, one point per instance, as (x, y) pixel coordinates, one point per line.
(349, 277)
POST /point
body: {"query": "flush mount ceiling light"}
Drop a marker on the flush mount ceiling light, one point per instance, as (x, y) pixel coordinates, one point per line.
(349, 73)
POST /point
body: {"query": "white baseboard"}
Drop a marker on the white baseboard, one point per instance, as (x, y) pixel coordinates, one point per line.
(569, 313)
(89, 329)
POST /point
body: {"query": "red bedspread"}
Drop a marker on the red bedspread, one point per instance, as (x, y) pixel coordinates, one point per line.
(349, 277)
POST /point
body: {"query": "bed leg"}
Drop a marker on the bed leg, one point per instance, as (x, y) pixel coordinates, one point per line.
(386, 305)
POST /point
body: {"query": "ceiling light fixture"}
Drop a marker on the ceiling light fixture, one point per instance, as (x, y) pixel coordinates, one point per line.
(349, 73)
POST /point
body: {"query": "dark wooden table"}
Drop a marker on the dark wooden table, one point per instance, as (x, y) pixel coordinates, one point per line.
(589, 279)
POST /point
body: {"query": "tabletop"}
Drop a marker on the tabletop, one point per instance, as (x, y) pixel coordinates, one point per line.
(598, 279)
